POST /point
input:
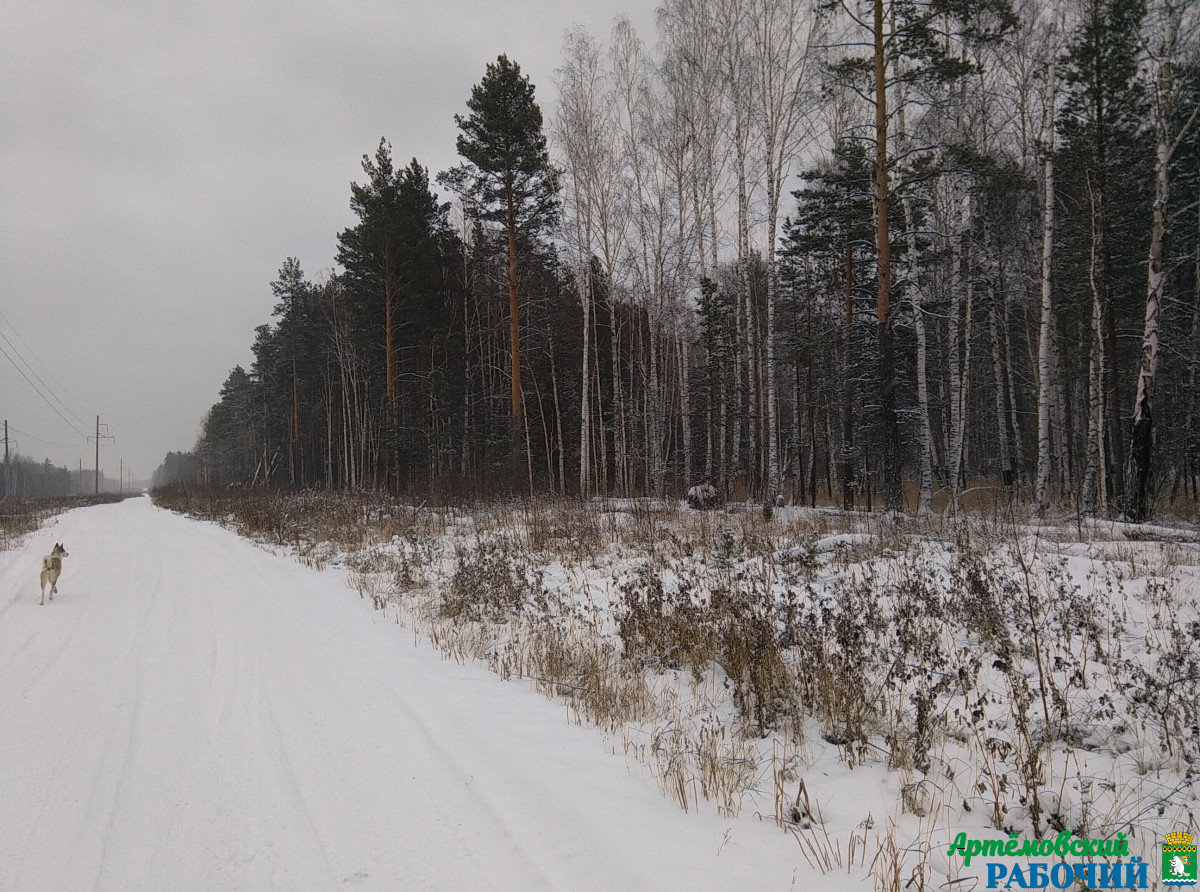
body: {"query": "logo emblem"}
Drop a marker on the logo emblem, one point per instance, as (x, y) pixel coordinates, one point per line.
(1179, 860)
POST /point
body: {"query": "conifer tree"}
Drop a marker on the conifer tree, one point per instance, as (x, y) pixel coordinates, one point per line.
(832, 233)
(1105, 171)
(928, 37)
(508, 177)
(369, 251)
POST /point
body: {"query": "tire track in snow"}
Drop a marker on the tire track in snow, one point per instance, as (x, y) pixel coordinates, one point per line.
(92, 762)
(231, 720)
(509, 852)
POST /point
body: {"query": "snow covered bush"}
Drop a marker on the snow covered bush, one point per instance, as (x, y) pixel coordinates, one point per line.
(985, 671)
(493, 581)
(703, 497)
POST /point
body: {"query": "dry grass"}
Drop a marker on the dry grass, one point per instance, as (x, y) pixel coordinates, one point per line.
(962, 653)
(19, 517)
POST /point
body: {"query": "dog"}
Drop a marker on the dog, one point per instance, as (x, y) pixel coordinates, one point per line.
(51, 569)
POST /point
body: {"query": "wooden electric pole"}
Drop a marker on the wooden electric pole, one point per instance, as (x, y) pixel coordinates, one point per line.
(7, 476)
(99, 437)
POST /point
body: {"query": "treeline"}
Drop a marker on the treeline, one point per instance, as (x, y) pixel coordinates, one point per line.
(22, 477)
(799, 251)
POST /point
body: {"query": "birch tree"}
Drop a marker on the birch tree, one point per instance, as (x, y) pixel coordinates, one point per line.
(696, 48)
(1046, 364)
(916, 293)
(784, 36)
(583, 127)
(739, 85)
(1168, 22)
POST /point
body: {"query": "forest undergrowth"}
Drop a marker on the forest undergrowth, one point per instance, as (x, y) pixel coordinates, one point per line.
(871, 684)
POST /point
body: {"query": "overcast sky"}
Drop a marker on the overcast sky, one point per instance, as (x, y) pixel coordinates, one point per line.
(160, 160)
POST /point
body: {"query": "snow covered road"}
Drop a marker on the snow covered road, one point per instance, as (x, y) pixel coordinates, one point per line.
(192, 713)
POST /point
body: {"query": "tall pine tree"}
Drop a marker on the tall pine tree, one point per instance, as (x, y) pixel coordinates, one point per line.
(508, 179)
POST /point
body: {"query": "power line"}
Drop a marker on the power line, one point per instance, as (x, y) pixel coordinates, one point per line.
(45, 386)
(66, 420)
(39, 439)
(42, 365)
(34, 372)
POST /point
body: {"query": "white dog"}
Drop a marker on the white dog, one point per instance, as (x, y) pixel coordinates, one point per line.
(51, 569)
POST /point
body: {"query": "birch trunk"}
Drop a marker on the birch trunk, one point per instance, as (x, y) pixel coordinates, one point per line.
(747, 340)
(686, 407)
(783, 31)
(1193, 442)
(562, 471)
(847, 389)
(1094, 475)
(772, 482)
(1010, 380)
(1143, 419)
(1046, 324)
(893, 494)
(958, 284)
(1165, 146)
(653, 406)
(1006, 467)
(585, 399)
(518, 424)
(925, 447)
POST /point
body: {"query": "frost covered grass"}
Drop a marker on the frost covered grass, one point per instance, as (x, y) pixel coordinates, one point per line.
(872, 685)
(18, 517)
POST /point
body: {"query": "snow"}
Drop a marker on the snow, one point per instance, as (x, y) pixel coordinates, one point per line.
(198, 710)
(193, 713)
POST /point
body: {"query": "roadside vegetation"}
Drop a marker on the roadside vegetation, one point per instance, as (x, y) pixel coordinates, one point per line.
(21, 516)
(873, 684)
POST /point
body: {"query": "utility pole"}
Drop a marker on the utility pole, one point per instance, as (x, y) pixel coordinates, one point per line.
(99, 437)
(7, 477)
(121, 479)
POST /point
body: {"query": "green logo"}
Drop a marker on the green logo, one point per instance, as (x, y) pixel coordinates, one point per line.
(1179, 860)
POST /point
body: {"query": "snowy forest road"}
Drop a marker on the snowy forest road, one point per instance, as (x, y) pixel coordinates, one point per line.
(191, 712)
